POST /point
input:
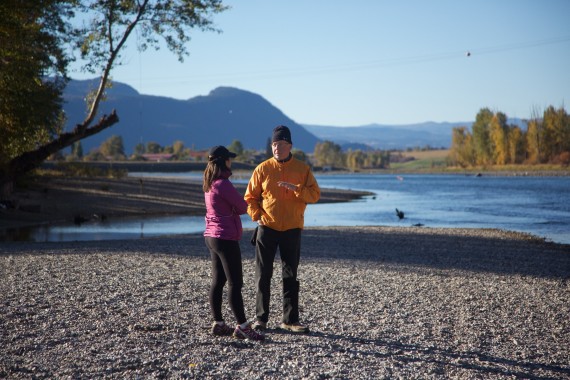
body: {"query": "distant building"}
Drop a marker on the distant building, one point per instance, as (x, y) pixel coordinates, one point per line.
(198, 155)
(158, 157)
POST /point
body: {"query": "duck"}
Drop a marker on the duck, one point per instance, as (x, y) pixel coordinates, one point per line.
(400, 214)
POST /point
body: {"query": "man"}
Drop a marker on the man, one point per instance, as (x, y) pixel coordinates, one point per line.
(277, 195)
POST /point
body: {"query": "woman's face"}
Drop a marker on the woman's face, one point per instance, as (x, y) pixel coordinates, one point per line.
(229, 163)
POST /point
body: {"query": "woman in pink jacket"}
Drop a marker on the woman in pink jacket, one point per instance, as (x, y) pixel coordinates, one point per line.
(224, 205)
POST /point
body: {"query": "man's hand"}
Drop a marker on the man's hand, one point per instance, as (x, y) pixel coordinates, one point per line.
(287, 185)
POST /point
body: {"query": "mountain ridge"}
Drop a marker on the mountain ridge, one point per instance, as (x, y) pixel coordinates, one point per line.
(227, 114)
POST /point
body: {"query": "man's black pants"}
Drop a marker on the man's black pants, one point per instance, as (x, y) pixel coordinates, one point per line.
(289, 244)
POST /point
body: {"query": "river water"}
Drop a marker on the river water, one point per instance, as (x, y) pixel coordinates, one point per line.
(536, 205)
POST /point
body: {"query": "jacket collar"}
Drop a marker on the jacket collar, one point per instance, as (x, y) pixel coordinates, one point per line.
(285, 160)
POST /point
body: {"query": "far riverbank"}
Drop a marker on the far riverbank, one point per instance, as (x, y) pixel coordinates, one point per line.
(64, 199)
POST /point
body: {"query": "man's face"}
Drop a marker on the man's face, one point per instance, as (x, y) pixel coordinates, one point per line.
(281, 149)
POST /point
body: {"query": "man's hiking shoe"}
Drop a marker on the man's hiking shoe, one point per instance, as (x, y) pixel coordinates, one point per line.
(259, 326)
(221, 330)
(247, 333)
(295, 327)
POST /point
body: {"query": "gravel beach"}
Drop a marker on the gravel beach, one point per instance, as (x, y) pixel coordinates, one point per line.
(381, 302)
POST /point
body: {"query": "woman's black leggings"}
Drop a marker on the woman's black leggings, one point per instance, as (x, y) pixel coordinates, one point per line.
(226, 267)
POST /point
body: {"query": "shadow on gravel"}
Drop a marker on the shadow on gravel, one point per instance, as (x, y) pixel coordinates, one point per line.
(486, 365)
(415, 250)
(402, 250)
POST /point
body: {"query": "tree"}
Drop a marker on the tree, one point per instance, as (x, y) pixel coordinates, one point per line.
(139, 149)
(153, 147)
(178, 148)
(299, 154)
(462, 152)
(99, 40)
(236, 146)
(30, 52)
(481, 136)
(516, 145)
(355, 160)
(557, 131)
(113, 148)
(76, 150)
(534, 141)
(327, 153)
(498, 132)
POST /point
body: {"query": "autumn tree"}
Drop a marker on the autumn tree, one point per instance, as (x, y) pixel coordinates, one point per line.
(327, 153)
(516, 145)
(498, 133)
(34, 37)
(178, 148)
(355, 159)
(462, 152)
(556, 129)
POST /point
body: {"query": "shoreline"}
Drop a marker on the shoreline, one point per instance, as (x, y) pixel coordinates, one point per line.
(51, 200)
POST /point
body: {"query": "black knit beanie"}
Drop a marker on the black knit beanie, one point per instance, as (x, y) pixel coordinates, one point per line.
(281, 132)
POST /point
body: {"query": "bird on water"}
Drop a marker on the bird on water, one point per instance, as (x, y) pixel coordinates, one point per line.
(400, 214)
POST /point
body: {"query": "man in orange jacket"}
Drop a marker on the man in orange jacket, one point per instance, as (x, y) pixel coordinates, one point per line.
(277, 194)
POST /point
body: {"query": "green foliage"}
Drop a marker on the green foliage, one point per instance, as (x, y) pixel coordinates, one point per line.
(113, 148)
(236, 146)
(34, 39)
(153, 147)
(31, 39)
(481, 136)
(139, 149)
(111, 22)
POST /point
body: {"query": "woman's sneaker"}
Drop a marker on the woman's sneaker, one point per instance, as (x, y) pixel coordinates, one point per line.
(247, 333)
(221, 330)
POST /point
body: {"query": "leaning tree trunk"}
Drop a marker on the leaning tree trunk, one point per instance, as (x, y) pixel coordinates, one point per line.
(33, 159)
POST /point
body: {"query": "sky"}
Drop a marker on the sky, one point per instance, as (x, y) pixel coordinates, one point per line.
(354, 63)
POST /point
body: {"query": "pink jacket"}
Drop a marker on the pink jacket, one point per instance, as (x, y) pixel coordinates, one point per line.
(224, 205)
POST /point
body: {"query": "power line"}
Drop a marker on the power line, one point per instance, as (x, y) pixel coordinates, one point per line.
(357, 66)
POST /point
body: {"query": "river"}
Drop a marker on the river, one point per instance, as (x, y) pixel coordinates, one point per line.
(536, 205)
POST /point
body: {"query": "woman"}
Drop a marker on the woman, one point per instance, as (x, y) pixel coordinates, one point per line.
(224, 205)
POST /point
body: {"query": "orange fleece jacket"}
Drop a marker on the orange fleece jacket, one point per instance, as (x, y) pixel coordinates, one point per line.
(277, 207)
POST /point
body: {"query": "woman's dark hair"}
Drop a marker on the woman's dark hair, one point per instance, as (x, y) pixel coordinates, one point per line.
(213, 170)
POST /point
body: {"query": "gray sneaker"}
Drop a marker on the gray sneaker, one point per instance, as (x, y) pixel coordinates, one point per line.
(295, 327)
(259, 325)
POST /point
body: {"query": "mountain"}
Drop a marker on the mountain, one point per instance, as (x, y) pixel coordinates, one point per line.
(224, 115)
(228, 114)
(386, 137)
(376, 136)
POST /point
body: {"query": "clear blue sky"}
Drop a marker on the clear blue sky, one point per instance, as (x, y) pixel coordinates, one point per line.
(350, 63)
